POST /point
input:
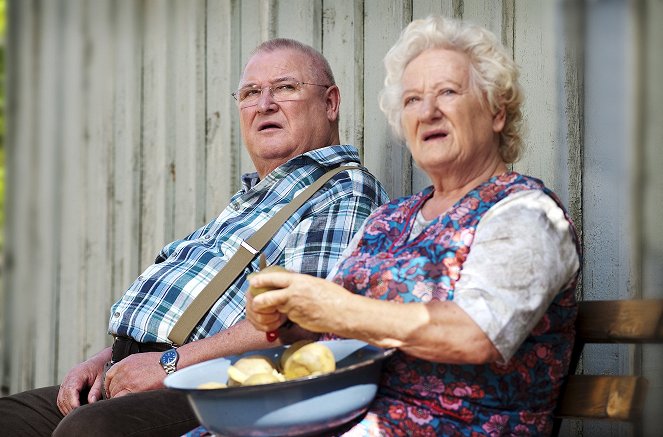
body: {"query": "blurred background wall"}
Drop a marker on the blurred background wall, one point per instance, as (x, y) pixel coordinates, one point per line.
(122, 136)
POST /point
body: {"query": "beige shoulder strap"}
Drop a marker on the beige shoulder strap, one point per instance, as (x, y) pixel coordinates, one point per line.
(248, 250)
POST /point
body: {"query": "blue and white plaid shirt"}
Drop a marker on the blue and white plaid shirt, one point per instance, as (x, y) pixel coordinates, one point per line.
(310, 242)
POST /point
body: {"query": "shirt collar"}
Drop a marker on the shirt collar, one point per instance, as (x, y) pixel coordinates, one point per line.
(329, 156)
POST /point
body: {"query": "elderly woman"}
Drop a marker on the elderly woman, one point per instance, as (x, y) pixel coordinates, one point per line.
(472, 279)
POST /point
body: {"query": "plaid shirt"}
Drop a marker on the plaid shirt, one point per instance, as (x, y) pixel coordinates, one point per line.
(310, 242)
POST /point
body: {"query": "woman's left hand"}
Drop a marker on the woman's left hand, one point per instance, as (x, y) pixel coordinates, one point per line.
(313, 303)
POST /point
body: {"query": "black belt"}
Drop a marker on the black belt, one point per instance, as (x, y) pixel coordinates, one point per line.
(125, 346)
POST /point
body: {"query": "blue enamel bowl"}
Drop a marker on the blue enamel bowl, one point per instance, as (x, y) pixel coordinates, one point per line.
(297, 407)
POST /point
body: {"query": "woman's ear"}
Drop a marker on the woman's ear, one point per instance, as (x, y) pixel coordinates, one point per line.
(499, 120)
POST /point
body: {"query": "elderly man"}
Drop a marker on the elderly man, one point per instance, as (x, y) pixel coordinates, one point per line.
(288, 104)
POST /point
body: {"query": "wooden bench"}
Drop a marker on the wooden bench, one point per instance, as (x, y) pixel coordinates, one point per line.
(609, 397)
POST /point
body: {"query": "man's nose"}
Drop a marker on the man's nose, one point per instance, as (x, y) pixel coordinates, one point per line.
(266, 101)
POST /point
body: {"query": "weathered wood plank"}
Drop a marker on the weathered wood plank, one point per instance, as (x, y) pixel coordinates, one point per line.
(384, 155)
(96, 151)
(157, 169)
(342, 35)
(22, 115)
(485, 13)
(257, 24)
(650, 179)
(300, 20)
(69, 294)
(603, 397)
(424, 8)
(186, 59)
(535, 35)
(125, 155)
(222, 130)
(620, 321)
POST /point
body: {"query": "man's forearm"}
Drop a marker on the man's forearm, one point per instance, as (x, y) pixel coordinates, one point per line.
(239, 338)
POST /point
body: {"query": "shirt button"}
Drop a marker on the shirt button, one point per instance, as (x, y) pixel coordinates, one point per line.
(116, 315)
(140, 278)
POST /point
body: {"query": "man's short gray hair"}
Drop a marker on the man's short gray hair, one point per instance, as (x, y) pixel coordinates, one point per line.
(493, 73)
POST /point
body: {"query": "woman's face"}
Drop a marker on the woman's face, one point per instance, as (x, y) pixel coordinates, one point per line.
(446, 127)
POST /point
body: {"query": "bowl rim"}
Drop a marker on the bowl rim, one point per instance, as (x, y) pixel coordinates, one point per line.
(382, 354)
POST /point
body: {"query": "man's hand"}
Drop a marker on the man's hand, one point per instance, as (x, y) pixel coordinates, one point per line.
(87, 374)
(136, 373)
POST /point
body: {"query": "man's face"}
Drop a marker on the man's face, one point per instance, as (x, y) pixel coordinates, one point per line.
(275, 132)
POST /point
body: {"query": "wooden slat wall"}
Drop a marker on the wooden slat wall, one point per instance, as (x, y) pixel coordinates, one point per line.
(123, 136)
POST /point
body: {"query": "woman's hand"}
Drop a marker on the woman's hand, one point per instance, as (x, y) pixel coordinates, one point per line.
(314, 304)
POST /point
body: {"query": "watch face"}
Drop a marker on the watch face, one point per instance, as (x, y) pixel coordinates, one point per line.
(169, 357)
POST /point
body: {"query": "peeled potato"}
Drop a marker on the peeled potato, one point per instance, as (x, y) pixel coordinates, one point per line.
(310, 359)
(211, 385)
(291, 350)
(245, 367)
(263, 378)
(259, 290)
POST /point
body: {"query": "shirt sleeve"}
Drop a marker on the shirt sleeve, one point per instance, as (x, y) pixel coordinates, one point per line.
(522, 255)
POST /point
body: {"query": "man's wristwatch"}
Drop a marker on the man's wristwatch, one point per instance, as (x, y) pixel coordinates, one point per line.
(169, 361)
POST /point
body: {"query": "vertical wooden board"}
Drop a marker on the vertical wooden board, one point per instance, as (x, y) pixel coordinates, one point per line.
(342, 45)
(47, 195)
(424, 8)
(222, 76)
(97, 143)
(22, 117)
(156, 154)
(607, 187)
(70, 294)
(386, 157)
(608, 270)
(188, 115)
(486, 13)
(569, 41)
(300, 20)
(126, 146)
(256, 25)
(651, 110)
(536, 54)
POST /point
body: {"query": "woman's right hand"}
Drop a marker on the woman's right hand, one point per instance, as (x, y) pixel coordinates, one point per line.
(315, 304)
(86, 374)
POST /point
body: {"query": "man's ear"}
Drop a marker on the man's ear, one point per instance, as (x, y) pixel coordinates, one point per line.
(333, 102)
(499, 120)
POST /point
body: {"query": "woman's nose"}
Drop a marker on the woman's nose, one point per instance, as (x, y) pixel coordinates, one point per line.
(428, 108)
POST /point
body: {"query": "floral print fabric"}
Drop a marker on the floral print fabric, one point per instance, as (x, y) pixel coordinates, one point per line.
(418, 397)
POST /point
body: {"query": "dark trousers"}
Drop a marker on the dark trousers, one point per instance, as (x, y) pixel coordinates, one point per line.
(153, 413)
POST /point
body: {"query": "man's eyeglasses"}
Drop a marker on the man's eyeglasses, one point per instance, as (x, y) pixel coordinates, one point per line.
(280, 92)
